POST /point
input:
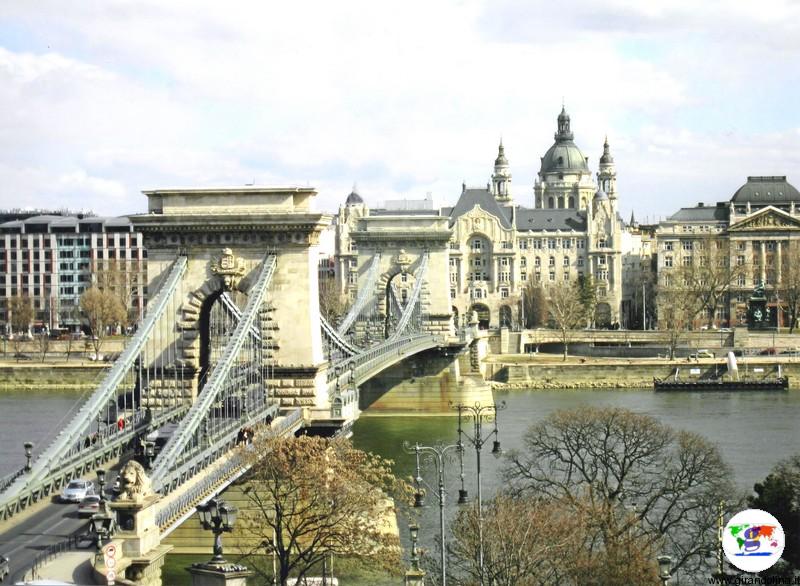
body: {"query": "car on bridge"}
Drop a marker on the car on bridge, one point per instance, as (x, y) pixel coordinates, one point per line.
(3, 568)
(89, 506)
(77, 490)
(703, 354)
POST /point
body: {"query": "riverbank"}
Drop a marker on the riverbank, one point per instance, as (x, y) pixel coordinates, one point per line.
(74, 376)
(524, 371)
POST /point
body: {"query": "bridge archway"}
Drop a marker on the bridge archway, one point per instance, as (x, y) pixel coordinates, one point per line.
(484, 315)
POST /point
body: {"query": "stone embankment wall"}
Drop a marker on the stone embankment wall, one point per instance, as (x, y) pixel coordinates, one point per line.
(25, 376)
(620, 373)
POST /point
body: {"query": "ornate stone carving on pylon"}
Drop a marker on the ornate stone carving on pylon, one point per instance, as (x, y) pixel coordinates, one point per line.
(403, 260)
(135, 485)
(228, 268)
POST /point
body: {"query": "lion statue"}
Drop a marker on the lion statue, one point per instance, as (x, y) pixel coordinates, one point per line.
(134, 483)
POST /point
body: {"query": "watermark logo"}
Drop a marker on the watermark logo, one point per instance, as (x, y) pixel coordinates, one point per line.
(753, 540)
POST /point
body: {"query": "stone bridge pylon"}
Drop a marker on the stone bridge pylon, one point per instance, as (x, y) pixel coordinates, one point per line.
(225, 234)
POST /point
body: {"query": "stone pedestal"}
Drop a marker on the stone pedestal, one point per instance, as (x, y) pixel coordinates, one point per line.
(219, 575)
(414, 578)
(136, 525)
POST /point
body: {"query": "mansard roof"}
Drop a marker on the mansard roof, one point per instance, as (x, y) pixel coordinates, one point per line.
(766, 190)
(701, 213)
(546, 219)
(483, 198)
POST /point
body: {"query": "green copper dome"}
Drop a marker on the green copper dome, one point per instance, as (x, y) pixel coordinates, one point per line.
(564, 156)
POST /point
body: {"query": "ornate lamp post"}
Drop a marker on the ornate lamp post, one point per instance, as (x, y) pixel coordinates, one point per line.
(28, 455)
(414, 576)
(218, 517)
(664, 564)
(102, 525)
(101, 482)
(479, 414)
(437, 455)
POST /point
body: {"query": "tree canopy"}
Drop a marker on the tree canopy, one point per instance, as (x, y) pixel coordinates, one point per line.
(634, 475)
(313, 497)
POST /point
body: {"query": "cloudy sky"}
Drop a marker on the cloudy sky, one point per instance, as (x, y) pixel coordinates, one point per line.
(101, 99)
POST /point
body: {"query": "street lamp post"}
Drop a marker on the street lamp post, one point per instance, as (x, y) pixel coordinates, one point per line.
(101, 482)
(218, 517)
(436, 454)
(479, 414)
(28, 455)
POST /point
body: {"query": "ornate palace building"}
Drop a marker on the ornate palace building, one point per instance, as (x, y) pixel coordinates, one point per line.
(757, 231)
(499, 245)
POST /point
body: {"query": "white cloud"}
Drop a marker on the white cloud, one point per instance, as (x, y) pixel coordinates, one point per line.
(403, 98)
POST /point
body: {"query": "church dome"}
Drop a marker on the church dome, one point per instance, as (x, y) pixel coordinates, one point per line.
(600, 194)
(564, 156)
(501, 160)
(353, 198)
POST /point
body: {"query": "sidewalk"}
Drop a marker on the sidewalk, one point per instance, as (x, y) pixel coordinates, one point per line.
(71, 567)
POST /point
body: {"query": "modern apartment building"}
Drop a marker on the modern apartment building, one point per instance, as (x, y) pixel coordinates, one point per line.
(52, 259)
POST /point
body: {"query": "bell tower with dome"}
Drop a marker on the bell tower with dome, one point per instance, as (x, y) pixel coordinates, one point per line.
(501, 178)
(607, 173)
(564, 180)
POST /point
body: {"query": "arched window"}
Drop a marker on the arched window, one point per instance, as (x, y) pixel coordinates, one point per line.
(550, 203)
(561, 202)
(571, 202)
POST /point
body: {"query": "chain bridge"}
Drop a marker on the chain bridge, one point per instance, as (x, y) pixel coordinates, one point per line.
(233, 338)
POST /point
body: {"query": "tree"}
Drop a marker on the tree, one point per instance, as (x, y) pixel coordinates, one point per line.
(331, 305)
(20, 309)
(102, 309)
(631, 474)
(564, 302)
(708, 274)
(788, 288)
(313, 497)
(587, 293)
(43, 339)
(677, 308)
(779, 493)
(534, 304)
(121, 278)
(542, 541)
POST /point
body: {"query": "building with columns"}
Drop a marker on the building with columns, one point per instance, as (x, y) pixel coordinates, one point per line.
(757, 229)
(569, 227)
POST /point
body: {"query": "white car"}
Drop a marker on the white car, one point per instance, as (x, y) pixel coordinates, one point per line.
(77, 490)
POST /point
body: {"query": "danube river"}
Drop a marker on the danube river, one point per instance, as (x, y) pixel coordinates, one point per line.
(753, 430)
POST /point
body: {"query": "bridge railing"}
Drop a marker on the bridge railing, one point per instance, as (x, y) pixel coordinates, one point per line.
(171, 515)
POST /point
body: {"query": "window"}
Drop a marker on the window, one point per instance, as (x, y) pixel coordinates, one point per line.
(504, 262)
(453, 262)
(566, 276)
(505, 276)
(601, 242)
(537, 262)
(504, 292)
(740, 260)
(538, 275)
(523, 245)
(687, 245)
(566, 262)
(352, 278)
(478, 262)
(454, 246)
(404, 278)
(551, 243)
(552, 275)
(580, 261)
(523, 262)
(602, 275)
(686, 261)
(668, 246)
(552, 261)
(537, 244)
(453, 278)
(477, 245)
(770, 246)
(506, 245)
(477, 293)
(580, 243)
(523, 275)
(741, 246)
(667, 261)
(741, 280)
(452, 293)
(601, 260)
(566, 243)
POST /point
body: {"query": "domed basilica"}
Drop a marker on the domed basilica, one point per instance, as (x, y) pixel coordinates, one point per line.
(499, 245)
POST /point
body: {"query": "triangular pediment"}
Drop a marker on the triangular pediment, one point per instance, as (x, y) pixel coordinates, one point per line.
(769, 218)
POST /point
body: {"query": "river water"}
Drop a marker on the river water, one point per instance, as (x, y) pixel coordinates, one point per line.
(753, 430)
